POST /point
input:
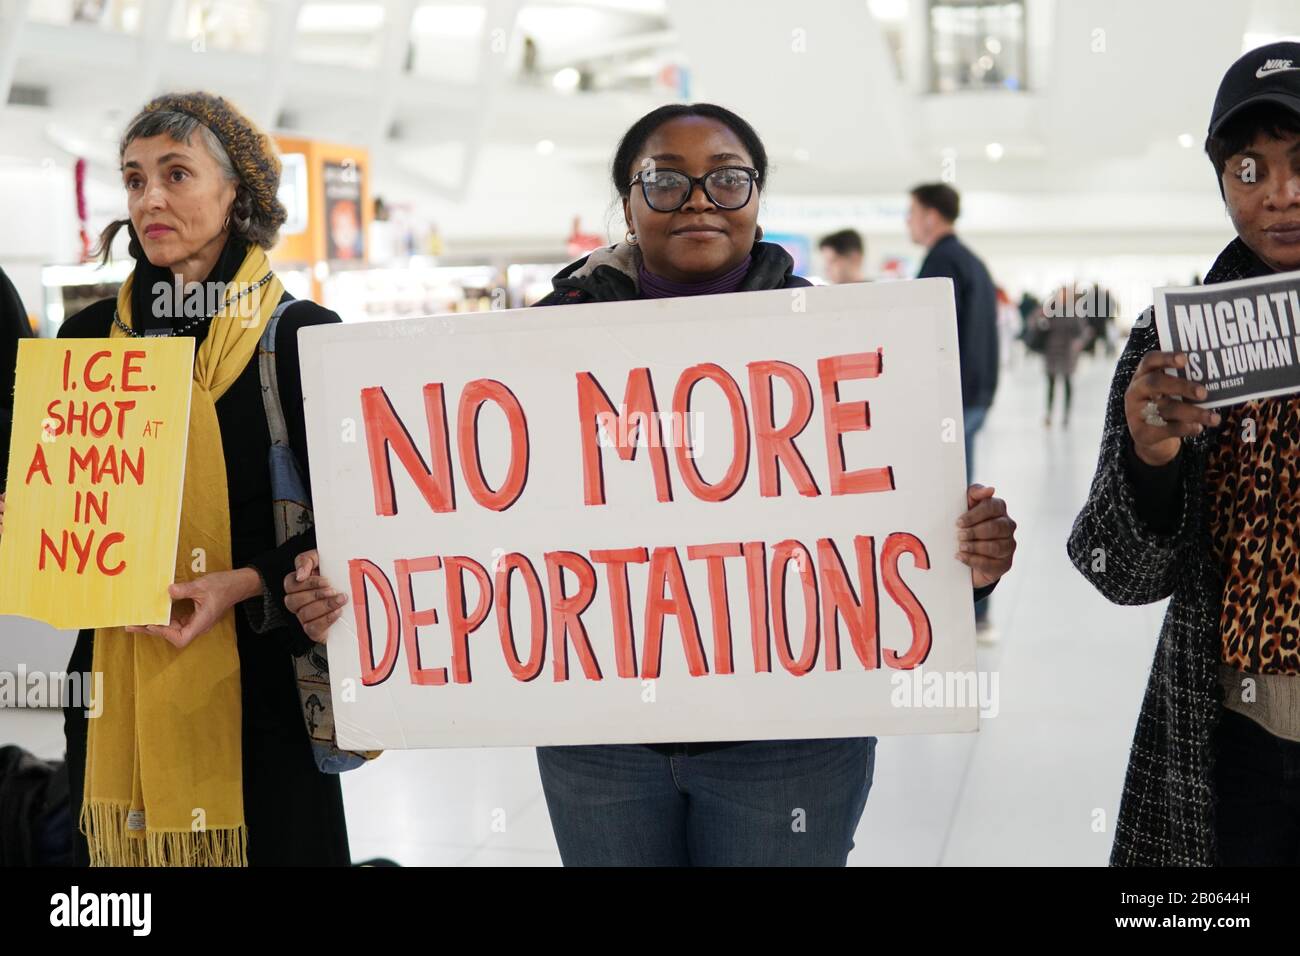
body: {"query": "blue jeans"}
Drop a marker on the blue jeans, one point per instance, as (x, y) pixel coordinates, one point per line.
(973, 418)
(762, 803)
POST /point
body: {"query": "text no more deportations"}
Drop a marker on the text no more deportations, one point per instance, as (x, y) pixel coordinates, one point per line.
(831, 594)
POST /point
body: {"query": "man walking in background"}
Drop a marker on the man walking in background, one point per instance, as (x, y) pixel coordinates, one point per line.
(930, 222)
(842, 255)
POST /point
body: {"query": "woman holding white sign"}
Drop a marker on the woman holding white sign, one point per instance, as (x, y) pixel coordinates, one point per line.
(689, 178)
(201, 755)
(1198, 505)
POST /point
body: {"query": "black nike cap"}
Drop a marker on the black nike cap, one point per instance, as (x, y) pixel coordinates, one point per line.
(1267, 74)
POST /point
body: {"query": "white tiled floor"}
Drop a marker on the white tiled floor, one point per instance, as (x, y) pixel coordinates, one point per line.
(1038, 785)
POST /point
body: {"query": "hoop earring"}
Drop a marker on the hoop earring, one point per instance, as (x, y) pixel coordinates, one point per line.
(226, 227)
(630, 236)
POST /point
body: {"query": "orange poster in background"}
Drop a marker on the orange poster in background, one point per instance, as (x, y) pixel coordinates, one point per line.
(96, 462)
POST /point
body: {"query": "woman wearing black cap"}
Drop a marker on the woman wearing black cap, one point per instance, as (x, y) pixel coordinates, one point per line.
(201, 755)
(689, 178)
(1199, 505)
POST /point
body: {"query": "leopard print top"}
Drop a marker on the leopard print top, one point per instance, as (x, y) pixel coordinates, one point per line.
(1253, 483)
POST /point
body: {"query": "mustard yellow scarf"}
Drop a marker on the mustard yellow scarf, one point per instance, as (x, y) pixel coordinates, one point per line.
(164, 764)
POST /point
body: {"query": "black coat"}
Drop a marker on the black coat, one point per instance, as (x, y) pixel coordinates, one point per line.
(13, 326)
(977, 317)
(294, 813)
(1137, 552)
(610, 275)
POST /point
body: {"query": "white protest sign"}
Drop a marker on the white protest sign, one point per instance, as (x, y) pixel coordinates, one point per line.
(1242, 338)
(713, 518)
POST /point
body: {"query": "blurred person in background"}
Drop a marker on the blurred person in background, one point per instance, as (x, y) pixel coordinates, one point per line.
(1200, 506)
(1100, 312)
(842, 256)
(931, 222)
(1063, 334)
(1008, 329)
(1029, 307)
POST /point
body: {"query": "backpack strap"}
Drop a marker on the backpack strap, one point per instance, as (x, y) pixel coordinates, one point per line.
(292, 515)
(290, 510)
(269, 378)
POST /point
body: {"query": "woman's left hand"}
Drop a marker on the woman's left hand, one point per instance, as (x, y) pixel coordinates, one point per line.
(986, 536)
(208, 597)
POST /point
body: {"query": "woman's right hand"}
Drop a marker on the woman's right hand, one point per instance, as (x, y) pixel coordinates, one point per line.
(310, 598)
(1159, 444)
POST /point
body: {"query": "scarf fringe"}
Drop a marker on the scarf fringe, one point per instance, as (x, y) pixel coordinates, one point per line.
(112, 844)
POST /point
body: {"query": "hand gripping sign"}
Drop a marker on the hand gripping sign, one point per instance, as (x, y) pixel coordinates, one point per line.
(711, 518)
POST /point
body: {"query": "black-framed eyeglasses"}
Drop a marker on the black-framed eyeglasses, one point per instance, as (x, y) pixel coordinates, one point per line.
(666, 190)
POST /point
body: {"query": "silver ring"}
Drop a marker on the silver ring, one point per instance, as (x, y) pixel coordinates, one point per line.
(1151, 415)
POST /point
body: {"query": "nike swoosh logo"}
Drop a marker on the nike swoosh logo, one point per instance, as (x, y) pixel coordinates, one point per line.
(1262, 72)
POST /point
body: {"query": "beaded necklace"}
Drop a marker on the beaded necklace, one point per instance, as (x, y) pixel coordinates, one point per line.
(194, 323)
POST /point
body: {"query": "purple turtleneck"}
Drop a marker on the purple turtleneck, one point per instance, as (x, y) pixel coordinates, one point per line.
(657, 287)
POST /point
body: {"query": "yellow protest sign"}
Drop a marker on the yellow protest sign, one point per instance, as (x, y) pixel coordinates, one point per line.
(96, 462)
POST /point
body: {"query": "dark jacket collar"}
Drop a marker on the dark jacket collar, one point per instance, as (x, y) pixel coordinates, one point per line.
(147, 276)
(1236, 261)
(950, 239)
(609, 274)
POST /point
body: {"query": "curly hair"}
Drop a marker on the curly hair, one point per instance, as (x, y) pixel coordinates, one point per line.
(255, 222)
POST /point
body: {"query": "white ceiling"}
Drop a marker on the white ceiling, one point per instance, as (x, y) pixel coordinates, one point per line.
(816, 78)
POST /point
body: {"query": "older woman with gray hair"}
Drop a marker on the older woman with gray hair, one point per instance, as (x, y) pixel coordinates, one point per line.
(201, 755)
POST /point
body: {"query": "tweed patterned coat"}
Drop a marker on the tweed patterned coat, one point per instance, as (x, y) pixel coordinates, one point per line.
(1166, 814)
